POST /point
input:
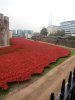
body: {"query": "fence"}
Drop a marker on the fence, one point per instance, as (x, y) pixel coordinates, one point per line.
(67, 90)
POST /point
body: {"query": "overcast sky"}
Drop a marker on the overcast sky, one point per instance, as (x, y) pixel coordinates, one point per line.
(35, 14)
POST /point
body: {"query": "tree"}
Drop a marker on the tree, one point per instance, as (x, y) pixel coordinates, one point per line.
(44, 32)
(60, 33)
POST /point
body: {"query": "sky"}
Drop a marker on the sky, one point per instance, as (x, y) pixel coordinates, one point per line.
(36, 14)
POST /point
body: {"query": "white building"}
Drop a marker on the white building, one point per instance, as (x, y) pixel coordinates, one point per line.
(28, 33)
(52, 29)
(68, 27)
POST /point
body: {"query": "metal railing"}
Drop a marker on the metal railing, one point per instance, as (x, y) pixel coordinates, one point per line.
(67, 89)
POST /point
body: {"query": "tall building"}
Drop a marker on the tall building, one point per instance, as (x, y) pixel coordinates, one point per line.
(68, 27)
(4, 30)
(22, 33)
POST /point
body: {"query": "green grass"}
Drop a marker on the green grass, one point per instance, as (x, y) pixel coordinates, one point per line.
(53, 65)
(47, 69)
(59, 61)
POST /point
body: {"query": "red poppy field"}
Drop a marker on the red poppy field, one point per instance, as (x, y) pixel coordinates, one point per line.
(25, 58)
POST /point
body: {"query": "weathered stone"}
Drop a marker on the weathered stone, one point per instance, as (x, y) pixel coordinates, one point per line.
(4, 30)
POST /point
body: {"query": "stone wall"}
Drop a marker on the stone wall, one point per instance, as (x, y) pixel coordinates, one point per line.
(63, 41)
(4, 30)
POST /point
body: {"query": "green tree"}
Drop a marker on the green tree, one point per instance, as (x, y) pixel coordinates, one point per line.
(60, 33)
(44, 32)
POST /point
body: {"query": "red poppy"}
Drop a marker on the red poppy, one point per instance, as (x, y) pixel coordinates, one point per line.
(26, 57)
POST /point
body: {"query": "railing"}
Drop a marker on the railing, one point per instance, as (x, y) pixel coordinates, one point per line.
(67, 90)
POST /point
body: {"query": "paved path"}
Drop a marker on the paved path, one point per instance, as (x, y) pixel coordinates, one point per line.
(51, 82)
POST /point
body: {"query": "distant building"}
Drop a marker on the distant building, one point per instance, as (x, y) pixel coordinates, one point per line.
(52, 29)
(22, 33)
(10, 33)
(68, 27)
(14, 31)
(29, 33)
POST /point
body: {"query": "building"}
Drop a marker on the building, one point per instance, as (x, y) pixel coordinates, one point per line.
(20, 33)
(14, 32)
(29, 33)
(68, 27)
(10, 33)
(24, 33)
(52, 29)
(4, 30)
